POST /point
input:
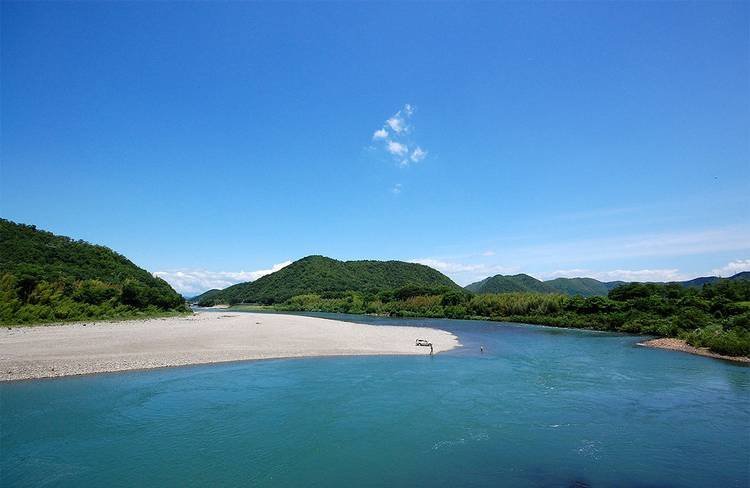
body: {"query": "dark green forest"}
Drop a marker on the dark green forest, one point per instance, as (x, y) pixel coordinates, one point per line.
(716, 315)
(50, 278)
(585, 287)
(319, 274)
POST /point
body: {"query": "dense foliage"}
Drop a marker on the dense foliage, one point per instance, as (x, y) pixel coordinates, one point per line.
(586, 287)
(45, 277)
(205, 296)
(716, 315)
(319, 274)
(509, 284)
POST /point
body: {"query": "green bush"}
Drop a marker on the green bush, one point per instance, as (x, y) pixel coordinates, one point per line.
(715, 316)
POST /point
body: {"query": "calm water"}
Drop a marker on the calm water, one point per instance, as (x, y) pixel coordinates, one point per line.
(541, 407)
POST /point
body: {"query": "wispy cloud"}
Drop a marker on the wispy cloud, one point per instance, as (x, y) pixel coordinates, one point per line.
(397, 124)
(396, 148)
(732, 268)
(465, 273)
(194, 281)
(400, 121)
(380, 134)
(395, 136)
(601, 258)
(418, 154)
(631, 246)
(396, 188)
(599, 213)
(619, 274)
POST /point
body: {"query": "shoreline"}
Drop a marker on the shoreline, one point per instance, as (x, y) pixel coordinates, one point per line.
(680, 345)
(52, 351)
(667, 343)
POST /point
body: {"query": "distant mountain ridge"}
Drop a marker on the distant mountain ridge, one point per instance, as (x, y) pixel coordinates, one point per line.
(320, 274)
(703, 280)
(509, 284)
(586, 287)
(203, 296)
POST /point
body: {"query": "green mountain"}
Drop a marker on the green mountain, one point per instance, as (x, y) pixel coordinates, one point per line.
(509, 284)
(585, 287)
(704, 280)
(204, 296)
(319, 274)
(45, 277)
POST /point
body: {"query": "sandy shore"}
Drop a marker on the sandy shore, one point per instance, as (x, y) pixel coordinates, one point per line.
(205, 337)
(680, 345)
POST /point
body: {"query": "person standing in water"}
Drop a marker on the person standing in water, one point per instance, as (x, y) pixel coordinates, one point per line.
(430, 348)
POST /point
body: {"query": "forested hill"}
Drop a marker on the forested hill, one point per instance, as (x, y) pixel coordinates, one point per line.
(319, 274)
(706, 280)
(509, 284)
(585, 287)
(204, 296)
(45, 277)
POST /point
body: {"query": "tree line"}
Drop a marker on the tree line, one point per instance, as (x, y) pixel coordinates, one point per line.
(716, 316)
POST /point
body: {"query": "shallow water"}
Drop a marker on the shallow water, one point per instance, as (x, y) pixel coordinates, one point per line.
(541, 407)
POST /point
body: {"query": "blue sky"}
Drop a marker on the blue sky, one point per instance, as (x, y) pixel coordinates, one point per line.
(209, 141)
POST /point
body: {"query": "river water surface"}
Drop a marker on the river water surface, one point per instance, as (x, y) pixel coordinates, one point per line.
(540, 407)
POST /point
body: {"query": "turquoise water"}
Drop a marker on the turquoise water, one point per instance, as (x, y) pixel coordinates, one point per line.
(541, 407)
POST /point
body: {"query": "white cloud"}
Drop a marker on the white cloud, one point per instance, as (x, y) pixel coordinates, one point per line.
(448, 267)
(465, 273)
(395, 136)
(396, 188)
(622, 247)
(380, 134)
(642, 275)
(418, 154)
(605, 259)
(397, 124)
(396, 148)
(193, 282)
(732, 268)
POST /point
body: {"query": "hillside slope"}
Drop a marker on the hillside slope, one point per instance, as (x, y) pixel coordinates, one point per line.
(204, 296)
(705, 280)
(509, 284)
(319, 274)
(585, 287)
(45, 277)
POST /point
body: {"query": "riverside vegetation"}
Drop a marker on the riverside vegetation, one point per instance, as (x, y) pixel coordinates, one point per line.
(716, 315)
(50, 278)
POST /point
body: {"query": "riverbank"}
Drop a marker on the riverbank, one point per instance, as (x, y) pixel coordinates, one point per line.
(547, 321)
(682, 346)
(205, 337)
